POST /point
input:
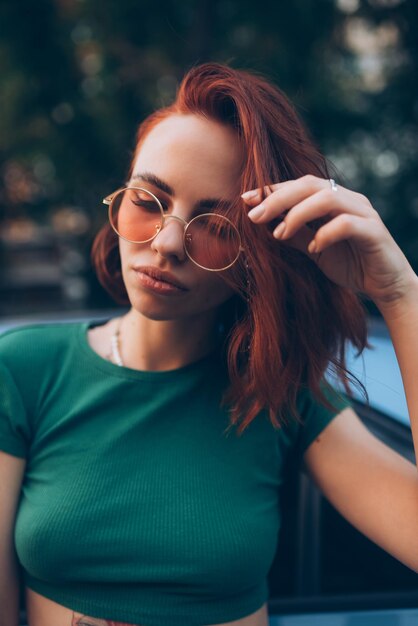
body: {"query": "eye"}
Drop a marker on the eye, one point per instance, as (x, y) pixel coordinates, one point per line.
(146, 201)
(150, 205)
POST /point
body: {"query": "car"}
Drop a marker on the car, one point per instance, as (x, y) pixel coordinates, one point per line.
(325, 572)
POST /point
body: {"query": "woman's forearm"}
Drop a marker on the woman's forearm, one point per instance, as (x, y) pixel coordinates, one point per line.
(401, 318)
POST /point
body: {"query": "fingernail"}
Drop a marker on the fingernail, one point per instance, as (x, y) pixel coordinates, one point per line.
(257, 212)
(312, 247)
(248, 195)
(278, 232)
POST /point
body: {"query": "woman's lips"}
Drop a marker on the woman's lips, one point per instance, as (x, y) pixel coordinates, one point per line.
(158, 281)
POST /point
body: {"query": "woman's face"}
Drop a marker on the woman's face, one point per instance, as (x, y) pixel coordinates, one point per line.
(185, 159)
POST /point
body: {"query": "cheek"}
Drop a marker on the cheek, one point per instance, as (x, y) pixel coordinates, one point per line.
(126, 252)
(215, 291)
(122, 253)
(124, 273)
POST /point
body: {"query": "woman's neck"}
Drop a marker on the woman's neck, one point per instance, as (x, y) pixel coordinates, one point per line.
(146, 344)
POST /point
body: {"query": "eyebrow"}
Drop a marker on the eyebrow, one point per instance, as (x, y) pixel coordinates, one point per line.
(204, 203)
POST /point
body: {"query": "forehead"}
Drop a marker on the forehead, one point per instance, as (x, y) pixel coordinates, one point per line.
(192, 147)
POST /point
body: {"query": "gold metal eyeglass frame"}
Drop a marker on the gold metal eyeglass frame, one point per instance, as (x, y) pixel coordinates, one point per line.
(110, 198)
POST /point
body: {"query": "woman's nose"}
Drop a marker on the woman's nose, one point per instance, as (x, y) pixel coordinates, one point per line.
(169, 241)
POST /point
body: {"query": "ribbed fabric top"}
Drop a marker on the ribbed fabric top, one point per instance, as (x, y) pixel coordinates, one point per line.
(135, 505)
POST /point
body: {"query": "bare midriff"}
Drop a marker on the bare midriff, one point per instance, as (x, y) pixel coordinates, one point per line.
(44, 612)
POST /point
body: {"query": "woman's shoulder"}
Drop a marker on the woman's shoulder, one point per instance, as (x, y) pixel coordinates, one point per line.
(32, 343)
(38, 332)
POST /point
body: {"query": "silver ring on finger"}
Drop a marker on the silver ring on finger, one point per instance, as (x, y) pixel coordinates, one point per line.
(333, 184)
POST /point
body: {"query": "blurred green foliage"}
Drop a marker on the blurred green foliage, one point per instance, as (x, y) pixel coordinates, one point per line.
(77, 76)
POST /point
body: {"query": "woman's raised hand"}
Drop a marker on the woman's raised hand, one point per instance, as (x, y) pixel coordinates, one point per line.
(352, 246)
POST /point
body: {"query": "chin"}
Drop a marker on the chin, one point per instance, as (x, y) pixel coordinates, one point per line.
(149, 308)
(158, 316)
(167, 311)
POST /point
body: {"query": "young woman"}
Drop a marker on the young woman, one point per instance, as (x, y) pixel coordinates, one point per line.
(142, 458)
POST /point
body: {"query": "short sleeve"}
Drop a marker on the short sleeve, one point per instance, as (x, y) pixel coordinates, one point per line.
(316, 416)
(14, 426)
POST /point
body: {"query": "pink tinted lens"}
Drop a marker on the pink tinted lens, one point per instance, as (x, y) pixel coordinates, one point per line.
(212, 241)
(135, 215)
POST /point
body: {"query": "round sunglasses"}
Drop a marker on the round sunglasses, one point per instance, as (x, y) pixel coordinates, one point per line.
(211, 241)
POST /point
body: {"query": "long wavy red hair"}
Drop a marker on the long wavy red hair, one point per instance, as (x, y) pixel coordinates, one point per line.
(288, 322)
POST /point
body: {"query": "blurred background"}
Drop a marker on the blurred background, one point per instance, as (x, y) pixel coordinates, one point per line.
(77, 77)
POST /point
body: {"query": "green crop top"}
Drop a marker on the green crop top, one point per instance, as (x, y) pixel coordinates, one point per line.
(135, 505)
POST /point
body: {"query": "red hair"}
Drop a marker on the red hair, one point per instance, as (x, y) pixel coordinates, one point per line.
(290, 322)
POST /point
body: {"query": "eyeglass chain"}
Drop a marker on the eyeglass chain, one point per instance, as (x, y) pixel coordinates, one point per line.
(248, 300)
